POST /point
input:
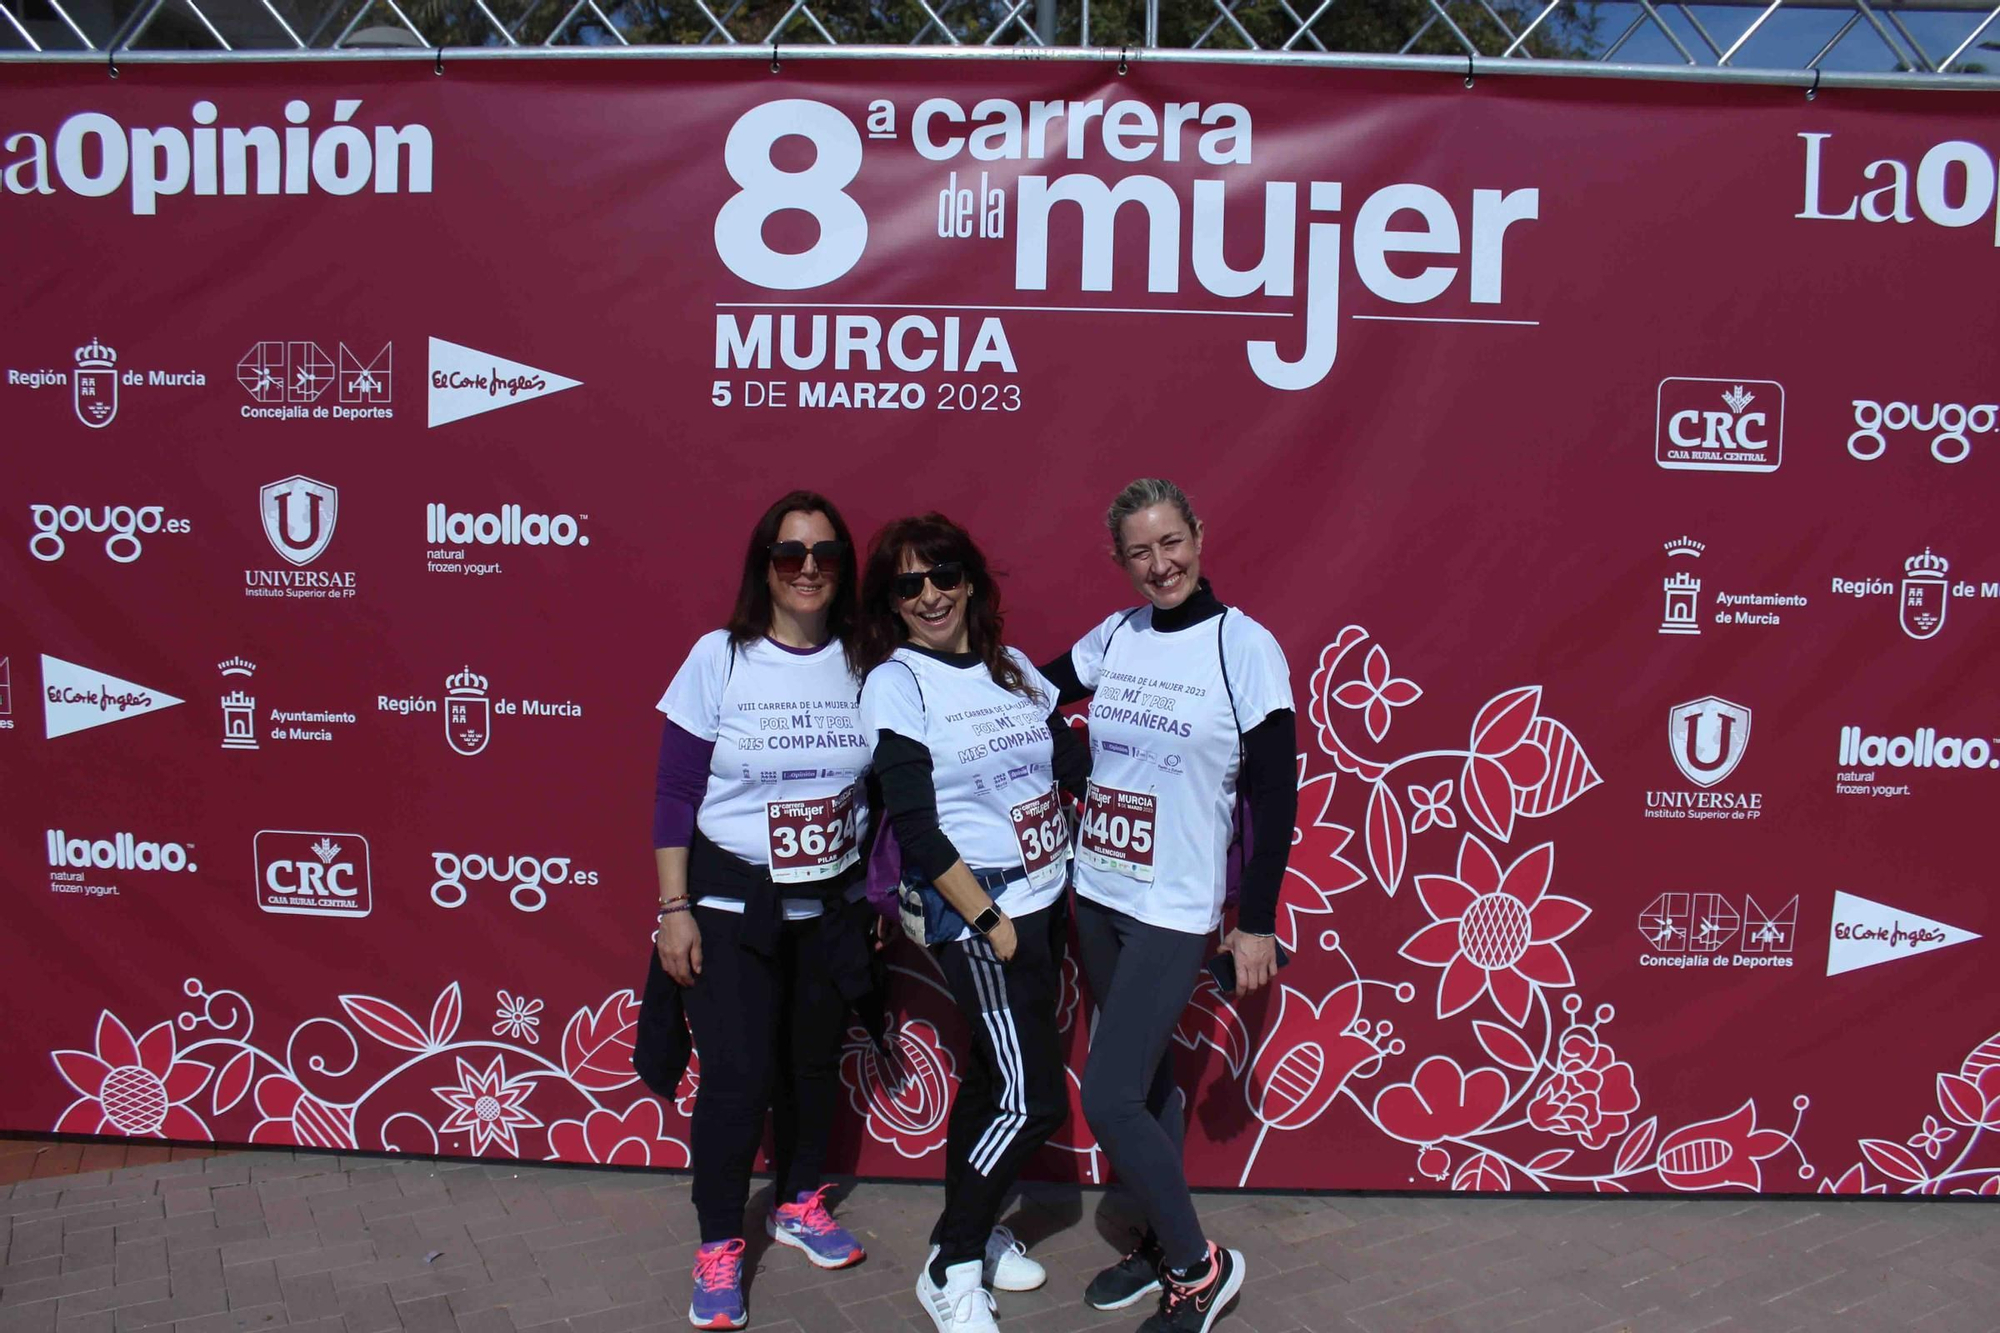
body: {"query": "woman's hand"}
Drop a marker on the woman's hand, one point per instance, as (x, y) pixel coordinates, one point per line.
(1001, 937)
(882, 933)
(679, 947)
(1256, 959)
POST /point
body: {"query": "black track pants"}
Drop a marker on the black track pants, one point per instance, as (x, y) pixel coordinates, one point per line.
(1013, 1092)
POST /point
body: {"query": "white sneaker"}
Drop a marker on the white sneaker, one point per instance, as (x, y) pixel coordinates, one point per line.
(962, 1305)
(1008, 1267)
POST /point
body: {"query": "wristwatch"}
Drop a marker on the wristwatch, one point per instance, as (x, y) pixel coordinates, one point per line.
(986, 920)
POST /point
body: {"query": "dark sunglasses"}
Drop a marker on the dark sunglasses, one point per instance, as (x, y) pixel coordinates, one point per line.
(788, 558)
(944, 577)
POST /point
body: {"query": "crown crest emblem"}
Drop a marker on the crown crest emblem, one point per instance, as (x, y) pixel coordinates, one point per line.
(1685, 546)
(1927, 565)
(466, 681)
(94, 355)
(236, 666)
(326, 849)
(1737, 399)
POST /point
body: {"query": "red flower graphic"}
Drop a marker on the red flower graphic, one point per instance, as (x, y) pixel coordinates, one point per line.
(909, 1114)
(1713, 1154)
(1591, 1095)
(294, 1116)
(1495, 933)
(1377, 692)
(1312, 1051)
(138, 1088)
(488, 1107)
(1433, 806)
(636, 1138)
(1441, 1102)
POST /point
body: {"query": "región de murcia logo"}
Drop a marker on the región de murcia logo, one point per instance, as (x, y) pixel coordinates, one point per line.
(95, 379)
(470, 711)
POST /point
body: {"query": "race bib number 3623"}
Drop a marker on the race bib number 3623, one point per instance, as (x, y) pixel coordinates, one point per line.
(812, 839)
(1118, 831)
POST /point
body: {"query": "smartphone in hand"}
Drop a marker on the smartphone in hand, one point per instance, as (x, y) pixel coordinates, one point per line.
(1223, 968)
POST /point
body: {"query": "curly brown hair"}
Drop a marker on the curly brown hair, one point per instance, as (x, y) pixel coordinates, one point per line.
(934, 540)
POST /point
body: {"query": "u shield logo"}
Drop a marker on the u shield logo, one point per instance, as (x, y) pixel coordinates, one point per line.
(1708, 737)
(299, 514)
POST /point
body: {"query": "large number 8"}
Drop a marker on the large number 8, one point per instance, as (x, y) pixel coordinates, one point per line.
(818, 190)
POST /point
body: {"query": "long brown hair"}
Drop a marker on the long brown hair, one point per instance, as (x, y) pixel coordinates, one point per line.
(751, 620)
(934, 540)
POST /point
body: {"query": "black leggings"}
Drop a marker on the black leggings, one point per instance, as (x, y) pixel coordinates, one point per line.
(768, 1034)
(1013, 1092)
(1141, 977)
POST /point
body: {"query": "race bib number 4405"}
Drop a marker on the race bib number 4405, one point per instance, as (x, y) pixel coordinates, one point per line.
(1118, 831)
(1043, 834)
(811, 840)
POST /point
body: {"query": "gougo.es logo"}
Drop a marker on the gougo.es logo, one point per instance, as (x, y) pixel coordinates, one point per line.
(1953, 423)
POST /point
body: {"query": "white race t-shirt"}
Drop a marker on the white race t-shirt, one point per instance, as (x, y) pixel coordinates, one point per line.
(1164, 758)
(784, 786)
(990, 761)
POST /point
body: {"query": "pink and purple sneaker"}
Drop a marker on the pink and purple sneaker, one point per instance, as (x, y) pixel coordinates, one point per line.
(718, 1286)
(808, 1226)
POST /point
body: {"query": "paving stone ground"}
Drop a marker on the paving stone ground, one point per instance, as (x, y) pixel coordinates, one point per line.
(325, 1244)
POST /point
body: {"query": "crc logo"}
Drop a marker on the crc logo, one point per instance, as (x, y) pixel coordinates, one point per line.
(121, 525)
(1708, 425)
(1707, 738)
(1952, 422)
(299, 514)
(526, 876)
(303, 873)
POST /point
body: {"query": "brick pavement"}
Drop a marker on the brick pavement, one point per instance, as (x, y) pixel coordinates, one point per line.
(324, 1244)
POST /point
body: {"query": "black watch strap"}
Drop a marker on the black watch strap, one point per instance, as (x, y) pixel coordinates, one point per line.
(986, 920)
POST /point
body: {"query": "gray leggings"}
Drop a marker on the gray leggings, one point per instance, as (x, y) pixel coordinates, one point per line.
(1141, 977)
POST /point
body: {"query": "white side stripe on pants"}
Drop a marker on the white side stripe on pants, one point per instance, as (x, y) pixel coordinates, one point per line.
(991, 983)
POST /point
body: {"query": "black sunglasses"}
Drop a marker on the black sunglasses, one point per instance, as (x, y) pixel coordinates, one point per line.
(788, 558)
(944, 577)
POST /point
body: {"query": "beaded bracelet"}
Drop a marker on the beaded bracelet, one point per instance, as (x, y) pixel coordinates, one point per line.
(677, 905)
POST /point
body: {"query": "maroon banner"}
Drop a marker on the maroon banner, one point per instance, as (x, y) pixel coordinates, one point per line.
(1615, 463)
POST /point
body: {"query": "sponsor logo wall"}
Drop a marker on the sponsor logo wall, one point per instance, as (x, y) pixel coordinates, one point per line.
(1640, 627)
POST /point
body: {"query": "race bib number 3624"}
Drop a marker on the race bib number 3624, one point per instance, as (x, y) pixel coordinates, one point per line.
(812, 839)
(1118, 831)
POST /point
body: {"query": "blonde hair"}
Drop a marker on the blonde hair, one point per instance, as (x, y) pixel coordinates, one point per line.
(1144, 493)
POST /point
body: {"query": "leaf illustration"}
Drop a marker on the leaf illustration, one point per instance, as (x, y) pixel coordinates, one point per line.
(1609, 1187)
(597, 1046)
(1484, 1172)
(1488, 795)
(385, 1023)
(445, 1015)
(1569, 774)
(1638, 1144)
(234, 1080)
(1388, 837)
(1893, 1160)
(1209, 1019)
(1504, 722)
(1550, 1160)
(1961, 1100)
(1504, 1045)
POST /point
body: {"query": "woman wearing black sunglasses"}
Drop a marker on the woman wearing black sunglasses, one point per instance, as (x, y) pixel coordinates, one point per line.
(969, 752)
(757, 827)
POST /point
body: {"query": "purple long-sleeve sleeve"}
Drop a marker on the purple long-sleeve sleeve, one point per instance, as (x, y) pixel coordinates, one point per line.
(678, 788)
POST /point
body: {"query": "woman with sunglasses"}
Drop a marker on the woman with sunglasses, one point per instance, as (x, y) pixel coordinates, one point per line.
(757, 828)
(1191, 701)
(969, 751)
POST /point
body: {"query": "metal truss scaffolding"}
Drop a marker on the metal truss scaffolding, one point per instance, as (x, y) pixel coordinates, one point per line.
(1899, 43)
